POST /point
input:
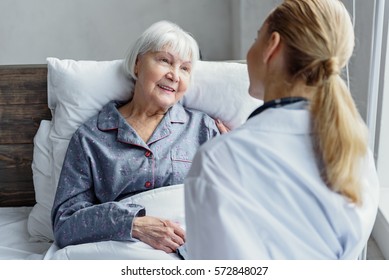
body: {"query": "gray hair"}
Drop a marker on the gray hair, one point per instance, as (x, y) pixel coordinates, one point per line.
(158, 36)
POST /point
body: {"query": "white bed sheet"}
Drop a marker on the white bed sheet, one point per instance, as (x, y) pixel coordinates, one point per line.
(15, 243)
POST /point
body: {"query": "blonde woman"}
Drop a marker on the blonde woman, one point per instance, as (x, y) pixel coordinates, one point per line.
(297, 181)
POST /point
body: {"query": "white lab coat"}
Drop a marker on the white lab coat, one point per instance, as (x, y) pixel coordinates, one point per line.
(256, 193)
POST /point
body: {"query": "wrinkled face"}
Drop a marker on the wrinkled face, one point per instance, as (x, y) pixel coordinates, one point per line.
(162, 77)
(256, 66)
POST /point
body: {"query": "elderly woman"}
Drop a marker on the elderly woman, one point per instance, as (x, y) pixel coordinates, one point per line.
(297, 180)
(129, 148)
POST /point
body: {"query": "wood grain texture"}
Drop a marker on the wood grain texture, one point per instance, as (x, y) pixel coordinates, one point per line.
(23, 104)
(23, 84)
(19, 122)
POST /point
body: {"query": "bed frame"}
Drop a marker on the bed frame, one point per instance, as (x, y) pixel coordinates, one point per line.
(23, 104)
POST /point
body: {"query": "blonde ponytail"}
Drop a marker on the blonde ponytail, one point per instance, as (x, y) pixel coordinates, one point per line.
(319, 39)
(340, 137)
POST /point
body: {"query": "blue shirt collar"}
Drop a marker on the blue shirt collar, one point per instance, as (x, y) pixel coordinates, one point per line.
(109, 118)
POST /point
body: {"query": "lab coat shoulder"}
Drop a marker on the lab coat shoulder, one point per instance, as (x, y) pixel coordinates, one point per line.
(256, 193)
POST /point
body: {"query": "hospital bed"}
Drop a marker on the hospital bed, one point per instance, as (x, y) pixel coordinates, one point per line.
(42, 105)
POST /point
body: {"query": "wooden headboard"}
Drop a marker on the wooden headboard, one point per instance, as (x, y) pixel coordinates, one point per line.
(23, 104)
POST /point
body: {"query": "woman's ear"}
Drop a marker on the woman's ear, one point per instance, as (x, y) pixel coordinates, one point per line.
(273, 45)
(136, 69)
(136, 66)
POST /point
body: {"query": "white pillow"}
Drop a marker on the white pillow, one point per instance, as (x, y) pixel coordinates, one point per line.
(220, 89)
(77, 90)
(39, 222)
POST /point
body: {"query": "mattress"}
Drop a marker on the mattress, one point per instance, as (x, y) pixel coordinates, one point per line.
(15, 242)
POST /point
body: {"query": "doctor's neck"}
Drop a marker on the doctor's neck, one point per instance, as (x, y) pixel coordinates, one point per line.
(277, 90)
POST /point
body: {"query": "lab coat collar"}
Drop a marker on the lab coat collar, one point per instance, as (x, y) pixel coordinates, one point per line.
(293, 119)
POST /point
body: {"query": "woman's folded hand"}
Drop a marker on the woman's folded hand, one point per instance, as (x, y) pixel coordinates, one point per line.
(160, 234)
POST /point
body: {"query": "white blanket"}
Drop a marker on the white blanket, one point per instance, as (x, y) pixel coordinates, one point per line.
(167, 202)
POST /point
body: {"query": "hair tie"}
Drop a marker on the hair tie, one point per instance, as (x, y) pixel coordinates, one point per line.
(331, 67)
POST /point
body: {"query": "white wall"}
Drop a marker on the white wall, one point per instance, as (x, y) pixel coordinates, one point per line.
(31, 30)
(381, 227)
(361, 63)
(247, 18)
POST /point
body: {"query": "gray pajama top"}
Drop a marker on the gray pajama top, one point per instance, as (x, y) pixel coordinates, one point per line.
(107, 161)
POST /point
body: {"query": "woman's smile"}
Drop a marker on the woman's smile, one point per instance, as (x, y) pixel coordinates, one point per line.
(166, 88)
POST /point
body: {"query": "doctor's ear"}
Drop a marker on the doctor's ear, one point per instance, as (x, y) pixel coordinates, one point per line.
(273, 45)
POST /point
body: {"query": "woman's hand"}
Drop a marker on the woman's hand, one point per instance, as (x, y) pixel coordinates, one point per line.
(158, 233)
(222, 128)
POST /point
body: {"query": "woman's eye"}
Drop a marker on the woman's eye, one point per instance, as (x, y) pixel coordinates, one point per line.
(165, 60)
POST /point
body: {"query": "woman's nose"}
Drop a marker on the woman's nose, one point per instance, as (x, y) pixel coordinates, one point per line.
(173, 74)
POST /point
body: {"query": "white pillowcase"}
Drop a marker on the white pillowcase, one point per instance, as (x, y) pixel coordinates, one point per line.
(39, 222)
(77, 90)
(220, 89)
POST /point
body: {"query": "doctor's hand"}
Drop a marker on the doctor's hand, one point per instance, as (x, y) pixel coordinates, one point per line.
(222, 127)
(160, 234)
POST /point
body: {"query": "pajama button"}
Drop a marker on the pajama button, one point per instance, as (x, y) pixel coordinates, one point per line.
(147, 154)
(148, 184)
